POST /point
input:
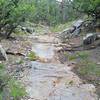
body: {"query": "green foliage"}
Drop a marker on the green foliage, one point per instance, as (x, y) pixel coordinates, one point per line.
(61, 27)
(32, 56)
(12, 13)
(1, 66)
(88, 68)
(90, 72)
(16, 90)
(53, 12)
(72, 57)
(90, 7)
(22, 11)
(18, 33)
(83, 55)
(0, 95)
(50, 12)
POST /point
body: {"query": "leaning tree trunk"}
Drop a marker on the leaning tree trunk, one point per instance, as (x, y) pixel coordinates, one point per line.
(12, 28)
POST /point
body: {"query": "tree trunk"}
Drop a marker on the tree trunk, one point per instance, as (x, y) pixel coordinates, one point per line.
(12, 28)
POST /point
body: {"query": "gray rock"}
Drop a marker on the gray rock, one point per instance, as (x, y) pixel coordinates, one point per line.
(6, 93)
(64, 35)
(27, 29)
(89, 38)
(23, 28)
(77, 27)
(3, 55)
(72, 31)
(78, 23)
(76, 32)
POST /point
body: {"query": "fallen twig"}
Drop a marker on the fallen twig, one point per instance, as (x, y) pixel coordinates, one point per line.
(13, 53)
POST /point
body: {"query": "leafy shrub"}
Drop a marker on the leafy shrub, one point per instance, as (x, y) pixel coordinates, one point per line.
(83, 55)
(16, 90)
(88, 68)
(1, 66)
(32, 56)
(12, 13)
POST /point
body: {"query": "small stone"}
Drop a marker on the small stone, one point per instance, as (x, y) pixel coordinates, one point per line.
(3, 55)
(11, 98)
(98, 63)
(89, 38)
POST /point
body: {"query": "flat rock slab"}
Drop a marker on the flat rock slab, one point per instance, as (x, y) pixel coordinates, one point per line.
(47, 81)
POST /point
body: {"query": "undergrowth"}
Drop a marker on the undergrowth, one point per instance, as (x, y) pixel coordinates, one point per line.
(78, 55)
(61, 27)
(32, 56)
(15, 89)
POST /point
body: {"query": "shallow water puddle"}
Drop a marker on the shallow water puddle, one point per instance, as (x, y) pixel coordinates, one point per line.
(45, 51)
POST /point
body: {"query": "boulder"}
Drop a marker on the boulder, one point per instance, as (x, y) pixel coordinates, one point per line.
(3, 55)
(76, 32)
(78, 23)
(72, 31)
(77, 27)
(23, 28)
(65, 35)
(90, 38)
(27, 29)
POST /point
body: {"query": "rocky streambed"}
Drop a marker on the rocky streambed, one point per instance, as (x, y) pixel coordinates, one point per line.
(50, 80)
(46, 78)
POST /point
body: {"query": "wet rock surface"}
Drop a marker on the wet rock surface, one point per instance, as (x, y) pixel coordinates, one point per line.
(56, 82)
